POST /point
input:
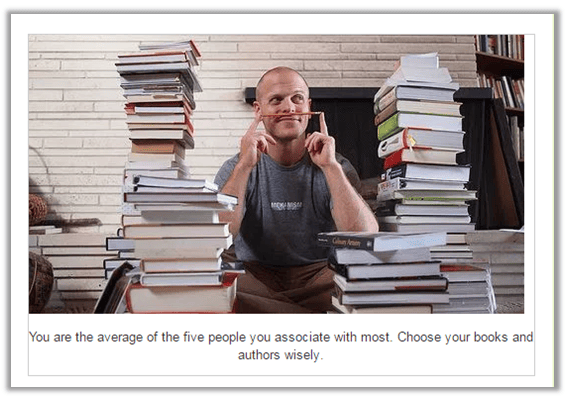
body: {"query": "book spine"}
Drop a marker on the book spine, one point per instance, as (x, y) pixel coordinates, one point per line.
(393, 159)
(388, 127)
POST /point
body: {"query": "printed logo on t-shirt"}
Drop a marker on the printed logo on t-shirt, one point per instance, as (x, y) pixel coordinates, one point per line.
(286, 205)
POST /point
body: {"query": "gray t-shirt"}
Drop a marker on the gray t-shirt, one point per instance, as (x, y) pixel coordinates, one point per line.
(285, 208)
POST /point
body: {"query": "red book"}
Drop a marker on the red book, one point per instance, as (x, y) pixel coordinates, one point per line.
(420, 156)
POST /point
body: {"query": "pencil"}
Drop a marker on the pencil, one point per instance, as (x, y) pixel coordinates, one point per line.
(298, 113)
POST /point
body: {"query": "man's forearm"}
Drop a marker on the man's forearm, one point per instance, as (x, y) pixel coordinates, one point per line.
(350, 211)
(236, 186)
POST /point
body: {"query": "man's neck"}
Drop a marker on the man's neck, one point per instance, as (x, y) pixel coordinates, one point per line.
(288, 153)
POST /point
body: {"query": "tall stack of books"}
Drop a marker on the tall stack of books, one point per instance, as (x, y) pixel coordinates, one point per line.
(170, 229)
(385, 272)
(419, 125)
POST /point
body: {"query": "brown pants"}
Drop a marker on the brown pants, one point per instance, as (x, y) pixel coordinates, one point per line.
(300, 289)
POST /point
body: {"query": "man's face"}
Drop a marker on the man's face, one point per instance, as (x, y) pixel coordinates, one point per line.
(283, 92)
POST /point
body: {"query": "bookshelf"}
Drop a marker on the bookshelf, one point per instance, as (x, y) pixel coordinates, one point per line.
(500, 66)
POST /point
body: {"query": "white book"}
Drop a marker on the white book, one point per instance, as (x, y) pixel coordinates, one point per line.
(171, 217)
(181, 265)
(356, 256)
(421, 138)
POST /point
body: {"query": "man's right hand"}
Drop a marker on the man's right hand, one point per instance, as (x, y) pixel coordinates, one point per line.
(253, 143)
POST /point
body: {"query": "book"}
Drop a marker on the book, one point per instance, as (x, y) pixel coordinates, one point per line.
(420, 156)
(419, 184)
(181, 279)
(173, 173)
(182, 136)
(156, 164)
(158, 253)
(421, 138)
(156, 118)
(183, 67)
(176, 230)
(428, 228)
(424, 219)
(462, 195)
(354, 256)
(171, 217)
(414, 91)
(376, 298)
(464, 272)
(117, 243)
(158, 157)
(110, 300)
(405, 73)
(153, 146)
(460, 173)
(158, 56)
(380, 271)
(385, 309)
(401, 120)
(394, 207)
(142, 180)
(433, 283)
(426, 60)
(182, 299)
(180, 265)
(450, 108)
(379, 241)
(184, 207)
(188, 197)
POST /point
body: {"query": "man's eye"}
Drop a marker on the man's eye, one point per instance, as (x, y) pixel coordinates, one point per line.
(298, 99)
(275, 100)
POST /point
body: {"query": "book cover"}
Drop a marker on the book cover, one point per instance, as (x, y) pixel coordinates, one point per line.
(420, 156)
(382, 271)
(379, 241)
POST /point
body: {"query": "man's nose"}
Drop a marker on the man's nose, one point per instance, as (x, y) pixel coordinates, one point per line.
(289, 106)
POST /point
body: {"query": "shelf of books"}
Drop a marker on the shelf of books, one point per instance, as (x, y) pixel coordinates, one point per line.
(500, 66)
(170, 242)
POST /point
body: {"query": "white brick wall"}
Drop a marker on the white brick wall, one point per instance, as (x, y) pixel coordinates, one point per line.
(77, 133)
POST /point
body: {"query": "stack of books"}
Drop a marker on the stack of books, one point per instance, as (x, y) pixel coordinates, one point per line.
(170, 231)
(419, 125)
(470, 290)
(385, 272)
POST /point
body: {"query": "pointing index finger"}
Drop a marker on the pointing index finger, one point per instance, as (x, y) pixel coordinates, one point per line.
(323, 127)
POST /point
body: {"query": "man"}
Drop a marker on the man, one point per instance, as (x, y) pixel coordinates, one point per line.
(290, 185)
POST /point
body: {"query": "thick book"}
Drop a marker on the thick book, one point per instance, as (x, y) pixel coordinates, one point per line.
(420, 156)
(412, 138)
(395, 207)
(419, 297)
(464, 273)
(176, 230)
(340, 255)
(180, 265)
(381, 271)
(181, 136)
(450, 108)
(415, 91)
(176, 253)
(142, 180)
(185, 207)
(430, 283)
(171, 217)
(182, 299)
(424, 219)
(156, 118)
(184, 68)
(174, 173)
(460, 173)
(151, 157)
(150, 146)
(181, 278)
(419, 184)
(158, 56)
(402, 120)
(426, 194)
(385, 309)
(379, 241)
(155, 164)
(177, 197)
(428, 228)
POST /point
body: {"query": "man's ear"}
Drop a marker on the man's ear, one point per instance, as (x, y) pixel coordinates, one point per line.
(256, 108)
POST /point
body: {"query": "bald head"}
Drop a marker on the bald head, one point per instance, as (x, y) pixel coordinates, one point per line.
(284, 71)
